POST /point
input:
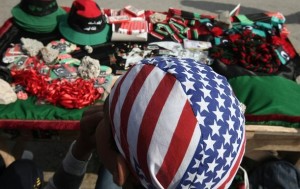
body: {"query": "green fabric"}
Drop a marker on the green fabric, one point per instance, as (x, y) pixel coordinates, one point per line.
(38, 24)
(269, 95)
(244, 20)
(28, 110)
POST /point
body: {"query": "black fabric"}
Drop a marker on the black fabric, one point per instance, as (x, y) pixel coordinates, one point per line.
(2, 165)
(39, 8)
(80, 23)
(105, 181)
(5, 74)
(102, 52)
(10, 36)
(14, 34)
(22, 174)
(69, 181)
(289, 71)
(262, 17)
(276, 174)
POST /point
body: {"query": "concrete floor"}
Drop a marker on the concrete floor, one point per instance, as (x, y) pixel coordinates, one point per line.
(48, 149)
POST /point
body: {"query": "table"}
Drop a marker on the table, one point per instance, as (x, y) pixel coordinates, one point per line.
(261, 129)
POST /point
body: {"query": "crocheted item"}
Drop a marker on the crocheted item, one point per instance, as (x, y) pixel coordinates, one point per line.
(49, 55)
(7, 94)
(5, 74)
(89, 68)
(31, 46)
(88, 48)
(248, 50)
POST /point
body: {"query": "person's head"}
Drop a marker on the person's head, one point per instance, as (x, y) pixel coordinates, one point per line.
(172, 123)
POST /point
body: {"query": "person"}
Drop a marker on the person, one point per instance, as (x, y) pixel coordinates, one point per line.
(21, 173)
(167, 123)
(73, 167)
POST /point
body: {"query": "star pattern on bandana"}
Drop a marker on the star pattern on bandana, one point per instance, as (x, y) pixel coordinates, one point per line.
(219, 117)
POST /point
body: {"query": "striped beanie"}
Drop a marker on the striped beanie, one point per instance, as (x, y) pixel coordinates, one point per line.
(178, 124)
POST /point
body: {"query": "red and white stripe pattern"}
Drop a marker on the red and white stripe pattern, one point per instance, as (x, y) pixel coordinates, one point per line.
(155, 126)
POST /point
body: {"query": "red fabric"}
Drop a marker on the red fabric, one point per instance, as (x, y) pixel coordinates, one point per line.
(40, 124)
(272, 117)
(148, 124)
(250, 51)
(178, 147)
(285, 44)
(69, 94)
(217, 31)
(87, 8)
(133, 91)
(5, 27)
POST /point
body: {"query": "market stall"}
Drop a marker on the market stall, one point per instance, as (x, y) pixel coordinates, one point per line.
(59, 68)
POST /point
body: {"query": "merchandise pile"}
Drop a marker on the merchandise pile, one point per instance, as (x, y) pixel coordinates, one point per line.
(89, 46)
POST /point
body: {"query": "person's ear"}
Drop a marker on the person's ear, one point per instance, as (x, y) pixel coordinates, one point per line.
(121, 171)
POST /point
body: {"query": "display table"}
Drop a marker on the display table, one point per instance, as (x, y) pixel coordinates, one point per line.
(266, 142)
(269, 127)
(27, 115)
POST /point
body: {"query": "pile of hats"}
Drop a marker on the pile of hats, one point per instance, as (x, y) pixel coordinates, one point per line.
(37, 16)
(85, 24)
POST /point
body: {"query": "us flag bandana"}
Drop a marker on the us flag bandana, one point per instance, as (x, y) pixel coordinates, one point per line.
(178, 124)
